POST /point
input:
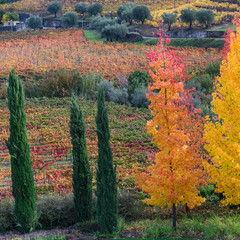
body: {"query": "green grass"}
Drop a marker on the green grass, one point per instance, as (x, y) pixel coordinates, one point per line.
(189, 42)
(221, 27)
(93, 35)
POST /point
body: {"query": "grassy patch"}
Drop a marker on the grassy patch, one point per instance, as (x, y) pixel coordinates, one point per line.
(93, 35)
(189, 42)
(221, 27)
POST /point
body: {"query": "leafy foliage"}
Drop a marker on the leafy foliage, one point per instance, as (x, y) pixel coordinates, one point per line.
(54, 7)
(107, 212)
(69, 19)
(188, 16)
(141, 13)
(222, 134)
(205, 17)
(23, 188)
(95, 9)
(124, 12)
(81, 8)
(176, 130)
(34, 22)
(82, 177)
(169, 19)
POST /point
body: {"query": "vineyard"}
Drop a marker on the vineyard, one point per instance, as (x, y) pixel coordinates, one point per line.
(224, 10)
(49, 138)
(70, 50)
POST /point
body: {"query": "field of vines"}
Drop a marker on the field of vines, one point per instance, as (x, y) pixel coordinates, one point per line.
(224, 10)
(49, 138)
(70, 50)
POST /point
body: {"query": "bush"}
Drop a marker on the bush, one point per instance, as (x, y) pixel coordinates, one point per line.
(54, 8)
(137, 79)
(34, 22)
(81, 8)
(2, 12)
(117, 32)
(139, 98)
(99, 22)
(188, 16)
(141, 13)
(12, 16)
(69, 19)
(169, 19)
(213, 69)
(205, 16)
(95, 9)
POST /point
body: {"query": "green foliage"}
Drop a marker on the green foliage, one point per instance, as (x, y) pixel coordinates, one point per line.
(81, 8)
(99, 22)
(54, 7)
(82, 176)
(106, 176)
(208, 192)
(188, 16)
(116, 31)
(205, 16)
(34, 22)
(23, 187)
(169, 19)
(124, 12)
(3, 2)
(53, 237)
(69, 19)
(137, 79)
(2, 12)
(95, 9)
(141, 13)
(12, 16)
(213, 69)
(139, 98)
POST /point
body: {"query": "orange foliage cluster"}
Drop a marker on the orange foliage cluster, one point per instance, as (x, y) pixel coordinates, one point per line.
(70, 50)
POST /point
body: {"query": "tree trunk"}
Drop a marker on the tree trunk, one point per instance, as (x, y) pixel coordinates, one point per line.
(174, 218)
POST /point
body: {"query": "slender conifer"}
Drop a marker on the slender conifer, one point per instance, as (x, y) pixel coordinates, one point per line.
(106, 175)
(82, 177)
(23, 187)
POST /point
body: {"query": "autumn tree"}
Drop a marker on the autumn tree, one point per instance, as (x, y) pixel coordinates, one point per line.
(82, 177)
(222, 133)
(176, 131)
(106, 174)
(23, 187)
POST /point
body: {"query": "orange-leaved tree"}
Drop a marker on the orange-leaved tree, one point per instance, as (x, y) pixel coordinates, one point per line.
(176, 129)
(222, 134)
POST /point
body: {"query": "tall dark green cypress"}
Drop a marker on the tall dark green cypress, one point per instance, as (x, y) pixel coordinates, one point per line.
(82, 177)
(106, 174)
(23, 187)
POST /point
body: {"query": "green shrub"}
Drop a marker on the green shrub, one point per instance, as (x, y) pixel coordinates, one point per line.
(139, 98)
(213, 69)
(69, 19)
(34, 22)
(137, 79)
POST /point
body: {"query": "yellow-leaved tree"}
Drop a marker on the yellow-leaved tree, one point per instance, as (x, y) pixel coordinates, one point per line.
(177, 129)
(222, 134)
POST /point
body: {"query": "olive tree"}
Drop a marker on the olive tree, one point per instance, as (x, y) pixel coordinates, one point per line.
(54, 8)
(34, 22)
(81, 8)
(169, 19)
(205, 16)
(69, 19)
(188, 16)
(95, 9)
(141, 13)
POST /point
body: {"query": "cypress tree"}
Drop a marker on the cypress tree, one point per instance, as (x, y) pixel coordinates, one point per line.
(23, 188)
(82, 177)
(106, 175)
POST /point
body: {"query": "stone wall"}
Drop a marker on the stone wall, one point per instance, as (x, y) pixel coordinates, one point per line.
(195, 34)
